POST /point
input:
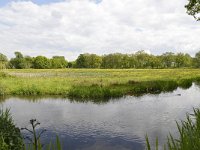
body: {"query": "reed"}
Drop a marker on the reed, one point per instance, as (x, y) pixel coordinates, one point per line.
(189, 134)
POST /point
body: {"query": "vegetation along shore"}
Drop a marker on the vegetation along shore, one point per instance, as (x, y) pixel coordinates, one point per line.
(94, 83)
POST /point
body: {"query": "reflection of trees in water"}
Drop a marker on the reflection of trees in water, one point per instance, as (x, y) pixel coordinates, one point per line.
(2, 99)
(170, 87)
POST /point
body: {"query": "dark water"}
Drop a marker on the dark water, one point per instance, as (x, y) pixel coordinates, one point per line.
(119, 124)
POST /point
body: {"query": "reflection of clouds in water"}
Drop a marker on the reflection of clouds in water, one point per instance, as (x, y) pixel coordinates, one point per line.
(126, 119)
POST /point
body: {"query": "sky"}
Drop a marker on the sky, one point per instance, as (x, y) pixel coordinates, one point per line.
(71, 27)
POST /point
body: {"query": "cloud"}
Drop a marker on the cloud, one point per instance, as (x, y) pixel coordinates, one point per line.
(72, 27)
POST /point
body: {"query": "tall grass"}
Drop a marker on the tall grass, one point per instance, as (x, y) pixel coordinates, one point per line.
(95, 83)
(189, 135)
(10, 136)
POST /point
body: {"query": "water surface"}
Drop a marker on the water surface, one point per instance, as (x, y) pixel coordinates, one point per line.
(119, 124)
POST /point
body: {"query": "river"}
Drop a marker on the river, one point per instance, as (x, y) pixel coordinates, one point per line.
(119, 124)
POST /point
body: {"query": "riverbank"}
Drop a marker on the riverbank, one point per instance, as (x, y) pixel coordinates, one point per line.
(94, 83)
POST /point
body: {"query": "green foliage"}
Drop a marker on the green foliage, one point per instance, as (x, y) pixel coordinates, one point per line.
(95, 83)
(93, 92)
(88, 61)
(58, 62)
(197, 60)
(11, 139)
(35, 139)
(4, 75)
(10, 136)
(18, 62)
(189, 134)
(41, 62)
(50, 146)
(193, 8)
(3, 61)
(185, 84)
(2, 90)
(138, 60)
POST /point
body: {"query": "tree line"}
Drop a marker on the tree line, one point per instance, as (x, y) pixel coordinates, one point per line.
(140, 59)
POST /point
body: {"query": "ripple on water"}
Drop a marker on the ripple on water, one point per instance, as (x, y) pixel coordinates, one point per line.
(118, 124)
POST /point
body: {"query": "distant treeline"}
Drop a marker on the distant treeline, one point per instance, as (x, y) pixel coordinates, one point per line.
(140, 59)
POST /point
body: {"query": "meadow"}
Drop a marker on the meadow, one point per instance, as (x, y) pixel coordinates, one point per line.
(94, 83)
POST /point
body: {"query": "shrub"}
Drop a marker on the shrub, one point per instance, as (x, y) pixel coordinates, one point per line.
(10, 136)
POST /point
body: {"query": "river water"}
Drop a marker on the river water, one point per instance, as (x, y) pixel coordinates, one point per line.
(119, 124)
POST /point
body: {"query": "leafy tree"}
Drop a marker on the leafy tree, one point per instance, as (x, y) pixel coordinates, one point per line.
(18, 55)
(41, 62)
(94, 61)
(193, 8)
(3, 61)
(113, 61)
(21, 62)
(28, 63)
(154, 62)
(18, 62)
(88, 61)
(183, 60)
(71, 64)
(58, 62)
(142, 59)
(168, 59)
(132, 61)
(81, 61)
(197, 60)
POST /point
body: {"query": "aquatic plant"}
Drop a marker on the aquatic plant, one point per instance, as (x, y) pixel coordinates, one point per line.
(189, 134)
(35, 138)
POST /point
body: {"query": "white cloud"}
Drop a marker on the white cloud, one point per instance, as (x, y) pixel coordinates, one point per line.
(77, 26)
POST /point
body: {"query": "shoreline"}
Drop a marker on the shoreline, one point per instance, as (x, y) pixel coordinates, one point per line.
(95, 84)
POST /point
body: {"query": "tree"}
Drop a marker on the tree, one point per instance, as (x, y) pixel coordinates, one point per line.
(168, 59)
(21, 62)
(71, 64)
(94, 61)
(58, 62)
(28, 62)
(3, 61)
(81, 61)
(41, 62)
(142, 59)
(88, 61)
(183, 60)
(18, 62)
(193, 8)
(112, 61)
(154, 61)
(197, 60)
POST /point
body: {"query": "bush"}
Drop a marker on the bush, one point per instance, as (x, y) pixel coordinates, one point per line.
(10, 136)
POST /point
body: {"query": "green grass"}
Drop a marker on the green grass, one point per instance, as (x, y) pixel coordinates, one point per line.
(12, 139)
(94, 83)
(189, 135)
(10, 136)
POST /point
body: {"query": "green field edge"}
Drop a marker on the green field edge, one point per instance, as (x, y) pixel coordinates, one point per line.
(21, 86)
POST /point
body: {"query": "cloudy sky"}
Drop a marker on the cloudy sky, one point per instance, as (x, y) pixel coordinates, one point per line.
(71, 27)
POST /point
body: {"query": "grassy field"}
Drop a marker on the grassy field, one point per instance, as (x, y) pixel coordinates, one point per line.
(94, 83)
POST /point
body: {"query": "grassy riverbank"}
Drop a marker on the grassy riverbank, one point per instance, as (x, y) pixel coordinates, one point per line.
(94, 83)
